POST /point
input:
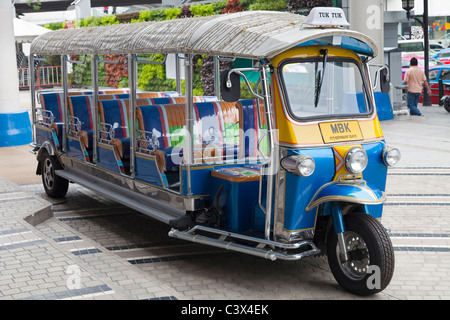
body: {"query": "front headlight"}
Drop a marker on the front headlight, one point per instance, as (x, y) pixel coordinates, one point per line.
(299, 165)
(355, 160)
(391, 156)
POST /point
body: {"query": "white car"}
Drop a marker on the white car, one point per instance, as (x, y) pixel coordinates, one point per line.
(443, 41)
(436, 47)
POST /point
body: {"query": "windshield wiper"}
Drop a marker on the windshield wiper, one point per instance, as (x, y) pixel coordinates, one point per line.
(320, 76)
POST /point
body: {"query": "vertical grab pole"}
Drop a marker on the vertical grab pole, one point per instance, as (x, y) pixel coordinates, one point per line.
(64, 102)
(216, 76)
(132, 71)
(32, 75)
(271, 168)
(178, 75)
(94, 78)
(189, 140)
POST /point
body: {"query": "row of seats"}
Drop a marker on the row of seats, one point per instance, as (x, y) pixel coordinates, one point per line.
(52, 103)
(221, 129)
(52, 100)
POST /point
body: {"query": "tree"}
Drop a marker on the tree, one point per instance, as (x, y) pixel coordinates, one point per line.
(115, 71)
(233, 6)
(35, 4)
(268, 5)
(296, 5)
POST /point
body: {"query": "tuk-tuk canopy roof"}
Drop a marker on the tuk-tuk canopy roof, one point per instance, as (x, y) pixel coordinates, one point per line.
(247, 34)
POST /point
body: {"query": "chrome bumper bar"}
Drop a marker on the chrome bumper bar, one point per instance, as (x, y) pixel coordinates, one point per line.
(267, 249)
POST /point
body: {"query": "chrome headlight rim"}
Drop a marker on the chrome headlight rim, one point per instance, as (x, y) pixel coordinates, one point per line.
(298, 165)
(389, 150)
(350, 157)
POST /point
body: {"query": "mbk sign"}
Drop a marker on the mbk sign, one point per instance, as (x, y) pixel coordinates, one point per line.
(340, 127)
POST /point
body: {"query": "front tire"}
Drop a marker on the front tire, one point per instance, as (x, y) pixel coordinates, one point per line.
(369, 249)
(54, 185)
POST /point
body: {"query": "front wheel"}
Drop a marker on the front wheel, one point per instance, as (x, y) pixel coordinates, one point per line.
(370, 264)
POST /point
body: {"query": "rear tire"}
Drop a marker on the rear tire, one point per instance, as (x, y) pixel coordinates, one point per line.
(54, 185)
(369, 249)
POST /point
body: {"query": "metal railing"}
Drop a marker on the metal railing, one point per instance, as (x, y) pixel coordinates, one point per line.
(24, 74)
(45, 76)
(48, 76)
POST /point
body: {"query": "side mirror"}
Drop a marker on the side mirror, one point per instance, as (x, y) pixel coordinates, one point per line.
(230, 89)
(385, 84)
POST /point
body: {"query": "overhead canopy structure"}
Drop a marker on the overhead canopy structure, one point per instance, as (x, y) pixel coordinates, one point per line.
(26, 32)
(248, 34)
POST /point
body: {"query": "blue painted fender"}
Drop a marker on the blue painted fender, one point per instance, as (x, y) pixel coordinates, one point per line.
(355, 191)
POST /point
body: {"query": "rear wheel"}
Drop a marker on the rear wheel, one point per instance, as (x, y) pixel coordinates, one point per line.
(370, 264)
(54, 185)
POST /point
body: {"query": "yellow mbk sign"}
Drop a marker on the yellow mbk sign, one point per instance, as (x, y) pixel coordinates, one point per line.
(340, 131)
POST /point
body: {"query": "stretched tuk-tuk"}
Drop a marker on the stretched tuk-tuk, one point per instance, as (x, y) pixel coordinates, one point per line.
(298, 170)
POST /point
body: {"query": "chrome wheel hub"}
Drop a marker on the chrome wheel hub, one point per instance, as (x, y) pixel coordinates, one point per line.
(358, 256)
(48, 174)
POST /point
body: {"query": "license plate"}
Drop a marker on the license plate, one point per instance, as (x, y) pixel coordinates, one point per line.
(340, 131)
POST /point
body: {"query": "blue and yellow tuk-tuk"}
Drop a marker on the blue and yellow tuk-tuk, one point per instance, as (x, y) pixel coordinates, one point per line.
(297, 170)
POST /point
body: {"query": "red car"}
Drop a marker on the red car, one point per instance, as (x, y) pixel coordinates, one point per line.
(438, 73)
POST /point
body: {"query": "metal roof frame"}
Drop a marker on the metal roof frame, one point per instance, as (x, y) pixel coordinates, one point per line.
(247, 34)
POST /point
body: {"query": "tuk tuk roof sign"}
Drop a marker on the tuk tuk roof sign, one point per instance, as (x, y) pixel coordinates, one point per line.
(247, 34)
(327, 16)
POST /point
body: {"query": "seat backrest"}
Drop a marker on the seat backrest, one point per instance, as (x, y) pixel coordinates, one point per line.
(114, 91)
(52, 101)
(213, 121)
(170, 94)
(81, 107)
(108, 96)
(229, 115)
(144, 102)
(150, 94)
(175, 119)
(151, 118)
(79, 93)
(115, 113)
(248, 128)
(122, 96)
(205, 98)
(168, 100)
(209, 123)
(75, 93)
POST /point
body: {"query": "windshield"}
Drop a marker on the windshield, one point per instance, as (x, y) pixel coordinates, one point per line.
(341, 92)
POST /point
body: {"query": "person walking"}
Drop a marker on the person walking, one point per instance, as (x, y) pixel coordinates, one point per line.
(414, 78)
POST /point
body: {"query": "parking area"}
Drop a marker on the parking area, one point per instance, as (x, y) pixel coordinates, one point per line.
(87, 247)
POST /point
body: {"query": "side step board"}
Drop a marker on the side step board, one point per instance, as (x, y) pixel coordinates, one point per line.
(267, 249)
(156, 209)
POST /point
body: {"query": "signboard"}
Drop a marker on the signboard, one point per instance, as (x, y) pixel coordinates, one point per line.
(340, 131)
(327, 16)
